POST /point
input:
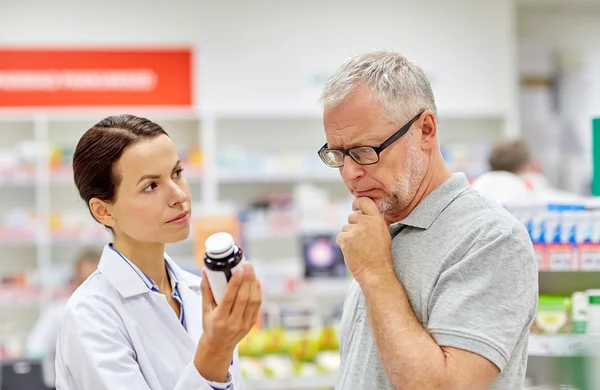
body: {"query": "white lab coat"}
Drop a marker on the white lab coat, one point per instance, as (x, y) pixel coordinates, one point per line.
(118, 334)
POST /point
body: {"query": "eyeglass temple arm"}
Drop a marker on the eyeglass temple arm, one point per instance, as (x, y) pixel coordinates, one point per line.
(403, 130)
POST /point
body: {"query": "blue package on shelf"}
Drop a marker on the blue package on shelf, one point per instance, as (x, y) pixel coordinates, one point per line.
(565, 207)
(565, 237)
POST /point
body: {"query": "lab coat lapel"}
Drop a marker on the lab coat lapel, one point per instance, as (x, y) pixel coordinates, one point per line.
(189, 289)
(120, 274)
(192, 303)
(152, 309)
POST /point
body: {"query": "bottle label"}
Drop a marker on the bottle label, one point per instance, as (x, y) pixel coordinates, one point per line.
(218, 280)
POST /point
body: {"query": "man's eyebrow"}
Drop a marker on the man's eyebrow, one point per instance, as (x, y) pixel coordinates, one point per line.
(354, 145)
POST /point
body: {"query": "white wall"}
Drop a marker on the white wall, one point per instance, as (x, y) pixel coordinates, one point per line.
(572, 29)
(257, 55)
(572, 33)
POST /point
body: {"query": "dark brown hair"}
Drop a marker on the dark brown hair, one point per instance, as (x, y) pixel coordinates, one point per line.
(511, 156)
(100, 148)
(91, 255)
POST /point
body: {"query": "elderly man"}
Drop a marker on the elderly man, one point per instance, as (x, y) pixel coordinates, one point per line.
(445, 282)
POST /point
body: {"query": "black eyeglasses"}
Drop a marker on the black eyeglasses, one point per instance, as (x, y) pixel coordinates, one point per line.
(363, 155)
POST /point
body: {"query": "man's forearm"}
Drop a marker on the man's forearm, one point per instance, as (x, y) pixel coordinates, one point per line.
(411, 357)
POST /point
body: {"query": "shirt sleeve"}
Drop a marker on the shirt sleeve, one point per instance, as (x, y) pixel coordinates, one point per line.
(94, 353)
(485, 302)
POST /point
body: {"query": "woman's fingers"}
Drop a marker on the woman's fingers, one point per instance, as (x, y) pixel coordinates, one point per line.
(240, 306)
(241, 300)
(229, 298)
(208, 301)
(254, 303)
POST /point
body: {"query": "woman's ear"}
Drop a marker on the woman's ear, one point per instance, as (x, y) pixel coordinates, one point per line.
(428, 131)
(101, 211)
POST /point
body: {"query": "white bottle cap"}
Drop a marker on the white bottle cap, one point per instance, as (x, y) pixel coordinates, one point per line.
(219, 245)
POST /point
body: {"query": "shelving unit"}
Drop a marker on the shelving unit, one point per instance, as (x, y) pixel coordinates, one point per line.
(245, 158)
(558, 356)
(562, 345)
(40, 248)
(301, 383)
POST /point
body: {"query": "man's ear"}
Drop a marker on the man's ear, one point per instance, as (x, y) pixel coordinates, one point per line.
(428, 130)
(101, 211)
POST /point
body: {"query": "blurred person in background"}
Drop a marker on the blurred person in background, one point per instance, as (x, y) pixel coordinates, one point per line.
(140, 321)
(515, 175)
(445, 282)
(513, 156)
(41, 341)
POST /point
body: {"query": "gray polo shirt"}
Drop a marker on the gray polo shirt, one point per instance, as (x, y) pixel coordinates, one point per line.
(470, 272)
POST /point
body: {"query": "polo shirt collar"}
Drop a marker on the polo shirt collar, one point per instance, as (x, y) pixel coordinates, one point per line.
(427, 211)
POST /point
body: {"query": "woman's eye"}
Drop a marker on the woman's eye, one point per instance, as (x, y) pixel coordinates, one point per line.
(177, 173)
(151, 187)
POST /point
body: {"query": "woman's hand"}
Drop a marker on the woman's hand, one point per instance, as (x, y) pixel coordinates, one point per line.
(225, 325)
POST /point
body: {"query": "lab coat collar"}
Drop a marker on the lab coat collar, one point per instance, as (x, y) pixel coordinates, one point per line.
(128, 281)
(189, 290)
(120, 274)
(183, 278)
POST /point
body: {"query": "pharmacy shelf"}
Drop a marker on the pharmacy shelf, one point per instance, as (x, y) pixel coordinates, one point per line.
(315, 290)
(562, 345)
(18, 180)
(79, 241)
(251, 233)
(215, 134)
(295, 383)
(277, 177)
(99, 239)
(12, 237)
(19, 239)
(64, 175)
(16, 243)
(19, 297)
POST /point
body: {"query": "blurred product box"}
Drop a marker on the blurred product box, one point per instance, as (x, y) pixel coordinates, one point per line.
(565, 237)
(553, 315)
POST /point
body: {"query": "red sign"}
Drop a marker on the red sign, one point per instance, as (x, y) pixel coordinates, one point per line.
(119, 77)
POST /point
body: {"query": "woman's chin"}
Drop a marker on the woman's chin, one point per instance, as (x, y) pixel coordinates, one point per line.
(179, 237)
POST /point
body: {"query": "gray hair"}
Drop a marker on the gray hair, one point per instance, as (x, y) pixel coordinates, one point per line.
(397, 83)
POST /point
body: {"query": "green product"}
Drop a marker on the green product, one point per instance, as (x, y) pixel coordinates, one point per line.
(579, 305)
(596, 156)
(303, 346)
(553, 315)
(593, 313)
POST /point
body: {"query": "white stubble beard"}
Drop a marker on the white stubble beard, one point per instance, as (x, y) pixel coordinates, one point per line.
(406, 184)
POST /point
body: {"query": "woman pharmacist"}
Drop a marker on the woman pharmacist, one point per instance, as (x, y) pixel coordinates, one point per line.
(140, 321)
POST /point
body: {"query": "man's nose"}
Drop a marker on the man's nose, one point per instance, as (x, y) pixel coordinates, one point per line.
(351, 170)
